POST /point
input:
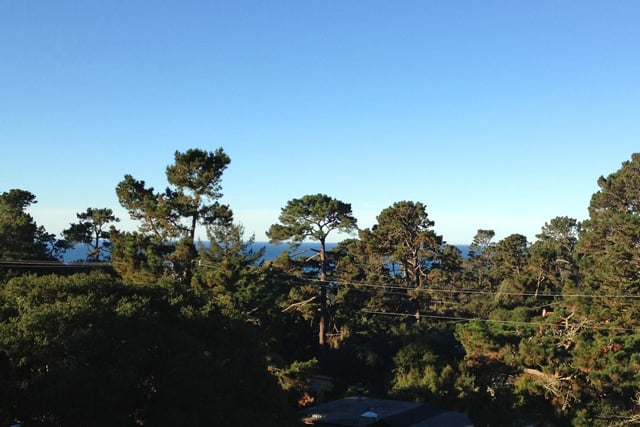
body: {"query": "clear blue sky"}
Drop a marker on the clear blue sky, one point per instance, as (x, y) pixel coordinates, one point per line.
(495, 114)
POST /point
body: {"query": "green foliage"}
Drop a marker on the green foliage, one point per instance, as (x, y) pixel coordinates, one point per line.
(420, 374)
(20, 237)
(447, 272)
(312, 216)
(137, 258)
(510, 258)
(363, 361)
(155, 215)
(552, 262)
(86, 350)
(479, 261)
(608, 242)
(229, 269)
(403, 234)
(173, 215)
(605, 349)
(357, 261)
(549, 329)
(297, 379)
(90, 229)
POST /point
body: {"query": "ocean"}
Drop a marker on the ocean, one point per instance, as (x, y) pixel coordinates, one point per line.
(78, 253)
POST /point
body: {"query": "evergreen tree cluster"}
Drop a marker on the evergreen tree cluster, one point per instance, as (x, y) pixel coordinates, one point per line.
(158, 329)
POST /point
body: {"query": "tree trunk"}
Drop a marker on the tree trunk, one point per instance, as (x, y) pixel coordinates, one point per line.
(322, 335)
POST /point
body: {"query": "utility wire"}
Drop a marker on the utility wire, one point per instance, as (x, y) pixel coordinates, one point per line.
(48, 264)
(393, 287)
(479, 319)
(387, 288)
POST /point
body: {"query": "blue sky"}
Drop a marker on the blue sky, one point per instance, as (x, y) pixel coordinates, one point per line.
(495, 114)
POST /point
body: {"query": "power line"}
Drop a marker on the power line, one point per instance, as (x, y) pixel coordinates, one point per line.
(387, 288)
(49, 264)
(393, 287)
(390, 289)
(479, 319)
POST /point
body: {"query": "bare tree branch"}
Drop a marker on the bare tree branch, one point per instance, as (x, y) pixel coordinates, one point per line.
(299, 304)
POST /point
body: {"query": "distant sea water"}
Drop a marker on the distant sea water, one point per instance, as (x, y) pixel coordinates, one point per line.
(78, 253)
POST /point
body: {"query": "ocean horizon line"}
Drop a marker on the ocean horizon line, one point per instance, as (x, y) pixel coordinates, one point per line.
(78, 252)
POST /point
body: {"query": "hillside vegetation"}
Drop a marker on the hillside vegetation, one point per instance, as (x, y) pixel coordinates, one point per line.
(155, 330)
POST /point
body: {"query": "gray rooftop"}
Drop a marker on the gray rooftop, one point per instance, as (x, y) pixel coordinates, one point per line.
(367, 411)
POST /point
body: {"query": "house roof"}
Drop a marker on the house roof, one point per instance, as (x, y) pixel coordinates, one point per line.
(410, 417)
(367, 411)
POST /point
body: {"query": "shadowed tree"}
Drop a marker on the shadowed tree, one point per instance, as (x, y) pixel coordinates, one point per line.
(510, 268)
(480, 253)
(196, 176)
(90, 229)
(608, 247)
(20, 237)
(582, 356)
(609, 264)
(314, 217)
(553, 254)
(229, 267)
(404, 235)
(511, 256)
(447, 273)
(84, 350)
(190, 200)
